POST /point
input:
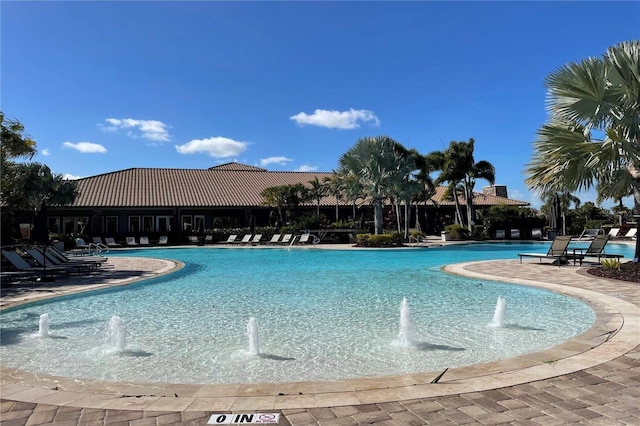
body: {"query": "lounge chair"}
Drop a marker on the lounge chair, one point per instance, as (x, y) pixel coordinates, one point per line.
(631, 233)
(231, 239)
(557, 251)
(110, 242)
(286, 239)
(275, 238)
(144, 241)
(515, 233)
(308, 239)
(61, 257)
(131, 241)
(246, 239)
(163, 241)
(595, 249)
(256, 239)
(208, 239)
(500, 234)
(192, 239)
(613, 232)
(589, 234)
(22, 265)
(47, 261)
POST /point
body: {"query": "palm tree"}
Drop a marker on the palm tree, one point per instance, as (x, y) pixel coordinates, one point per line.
(458, 166)
(591, 138)
(335, 187)
(317, 191)
(374, 167)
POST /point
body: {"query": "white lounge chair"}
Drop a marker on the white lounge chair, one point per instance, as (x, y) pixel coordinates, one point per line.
(589, 234)
(500, 234)
(275, 238)
(111, 242)
(163, 241)
(286, 239)
(536, 234)
(613, 232)
(256, 238)
(131, 241)
(246, 239)
(515, 233)
(231, 239)
(631, 233)
(144, 241)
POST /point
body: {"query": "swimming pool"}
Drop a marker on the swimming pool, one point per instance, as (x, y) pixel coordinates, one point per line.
(320, 314)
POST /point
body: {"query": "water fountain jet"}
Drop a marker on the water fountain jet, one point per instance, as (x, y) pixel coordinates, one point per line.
(252, 333)
(404, 335)
(498, 315)
(117, 333)
(43, 325)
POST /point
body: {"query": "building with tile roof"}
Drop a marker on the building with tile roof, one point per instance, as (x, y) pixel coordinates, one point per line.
(141, 201)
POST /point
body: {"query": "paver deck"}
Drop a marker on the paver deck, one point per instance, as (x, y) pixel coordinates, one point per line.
(592, 379)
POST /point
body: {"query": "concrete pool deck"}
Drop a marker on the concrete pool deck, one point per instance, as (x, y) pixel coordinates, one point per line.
(591, 379)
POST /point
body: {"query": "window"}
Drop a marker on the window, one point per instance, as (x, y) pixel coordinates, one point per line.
(163, 223)
(112, 225)
(187, 224)
(134, 224)
(199, 223)
(147, 223)
(53, 225)
(75, 225)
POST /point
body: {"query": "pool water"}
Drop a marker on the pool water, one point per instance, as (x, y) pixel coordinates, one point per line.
(320, 315)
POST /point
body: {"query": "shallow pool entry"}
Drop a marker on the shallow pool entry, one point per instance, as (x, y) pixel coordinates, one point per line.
(274, 315)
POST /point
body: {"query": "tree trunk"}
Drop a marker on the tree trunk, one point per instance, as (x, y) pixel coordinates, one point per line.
(636, 215)
(407, 213)
(377, 215)
(468, 196)
(458, 213)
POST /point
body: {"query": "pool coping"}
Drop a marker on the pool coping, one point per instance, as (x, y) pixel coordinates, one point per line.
(614, 333)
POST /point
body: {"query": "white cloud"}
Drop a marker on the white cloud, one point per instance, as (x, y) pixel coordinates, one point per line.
(67, 176)
(216, 147)
(306, 168)
(336, 119)
(86, 147)
(45, 152)
(152, 130)
(275, 160)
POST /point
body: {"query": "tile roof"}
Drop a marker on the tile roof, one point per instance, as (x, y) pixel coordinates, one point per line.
(226, 185)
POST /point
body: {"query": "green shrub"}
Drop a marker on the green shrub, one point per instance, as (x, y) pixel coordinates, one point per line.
(611, 264)
(383, 240)
(456, 232)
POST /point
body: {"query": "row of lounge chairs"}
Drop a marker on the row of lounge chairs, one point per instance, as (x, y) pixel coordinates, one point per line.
(45, 263)
(275, 239)
(559, 250)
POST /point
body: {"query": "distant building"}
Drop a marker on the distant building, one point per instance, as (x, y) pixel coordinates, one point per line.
(495, 191)
(154, 201)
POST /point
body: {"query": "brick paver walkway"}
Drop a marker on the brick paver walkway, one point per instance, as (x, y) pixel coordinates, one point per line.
(604, 394)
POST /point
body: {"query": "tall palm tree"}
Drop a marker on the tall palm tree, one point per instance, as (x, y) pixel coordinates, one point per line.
(335, 187)
(480, 170)
(592, 135)
(317, 191)
(458, 166)
(375, 167)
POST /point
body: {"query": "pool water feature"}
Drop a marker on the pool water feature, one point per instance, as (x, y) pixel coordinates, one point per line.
(323, 315)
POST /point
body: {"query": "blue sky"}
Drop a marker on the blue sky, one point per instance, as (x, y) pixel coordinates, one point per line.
(105, 86)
